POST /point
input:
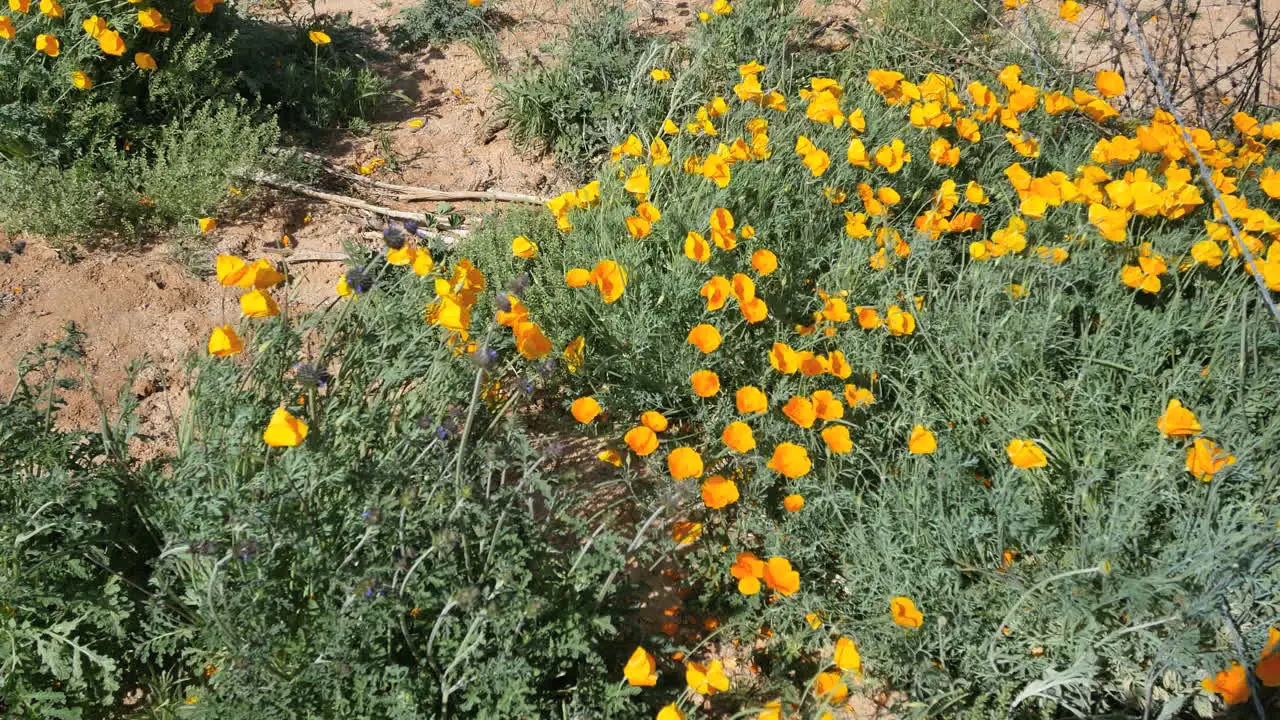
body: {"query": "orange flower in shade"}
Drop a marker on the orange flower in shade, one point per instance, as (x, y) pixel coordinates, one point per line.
(654, 420)
(719, 492)
(831, 688)
(837, 439)
(706, 679)
(751, 399)
(793, 502)
(8, 30)
(1177, 421)
(847, 656)
(224, 342)
(284, 430)
(1026, 454)
(585, 409)
(152, 20)
(784, 359)
(577, 278)
(670, 712)
(764, 261)
(1268, 668)
(1232, 685)
(779, 576)
(904, 612)
(899, 321)
(705, 383)
(790, 460)
(685, 532)
(748, 569)
(826, 406)
(922, 441)
(1205, 459)
(704, 337)
(684, 463)
(738, 437)
(641, 440)
(641, 669)
(800, 410)
(257, 304)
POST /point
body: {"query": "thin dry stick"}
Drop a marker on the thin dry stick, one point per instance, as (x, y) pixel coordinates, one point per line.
(412, 192)
(282, 184)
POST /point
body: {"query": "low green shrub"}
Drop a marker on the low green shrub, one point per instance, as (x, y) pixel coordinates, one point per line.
(1106, 578)
(414, 556)
(432, 22)
(85, 118)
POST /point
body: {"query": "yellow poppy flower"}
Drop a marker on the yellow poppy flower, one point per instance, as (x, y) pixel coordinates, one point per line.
(922, 441)
(144, 61)
(1026, 454)
(284, 430)
(641, 669)
(904, 612)
(257, 304)
(224, 342)
(1205, 459)
(793, 503)
(319, 37)
(47, 44)
(523, 247)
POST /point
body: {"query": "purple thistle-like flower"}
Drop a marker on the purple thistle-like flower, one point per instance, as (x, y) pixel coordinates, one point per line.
(519, 284)
(484, 357)
(311, 375)
(393, 237)
(360, 280)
